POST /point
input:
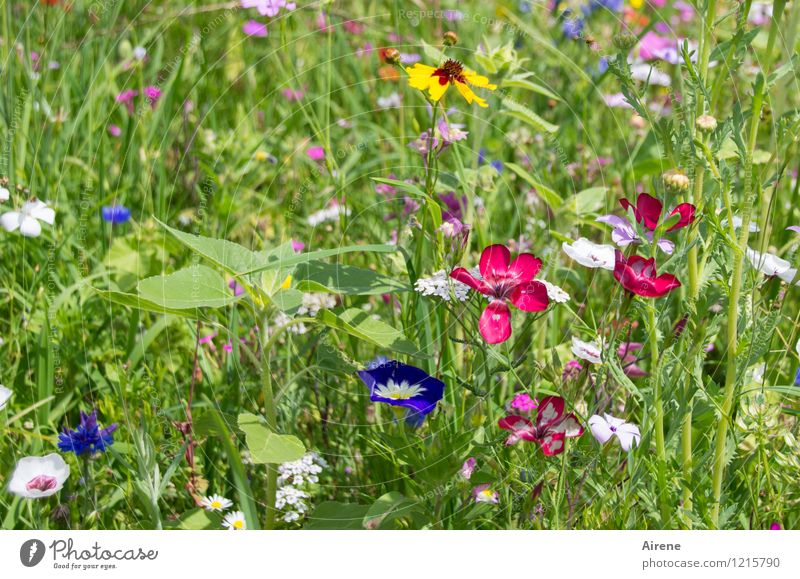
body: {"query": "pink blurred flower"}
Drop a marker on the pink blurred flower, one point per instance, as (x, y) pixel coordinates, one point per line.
(152, 93)
(468, 467)
(254, 28)
(524, 403)
(114, 130)
(315, 153)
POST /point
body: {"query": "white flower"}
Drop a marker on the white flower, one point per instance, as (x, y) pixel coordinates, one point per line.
(313, 303)
(216, 503)
(27, 219)
(439, 285)
(590, 254)
(39, 476)
(234, 521)
(645, 72)
(5, 394)
(4, 194)
(392, 101)
(139, 53)
(589, 351)
(737, 223)
(606, 426)
(331, 213)
(770, 264)
(555, 293)
(397, 391)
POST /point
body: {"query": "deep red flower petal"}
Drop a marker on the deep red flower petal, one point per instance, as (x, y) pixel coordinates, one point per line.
(521, 427)
(553, 443)
(465, 277)
(569, 426)
(525, 267)
(550, 411)
(649, 209)
(686, 211)
(638, 275)
(494, 262)
(495, 323)
(530, 297)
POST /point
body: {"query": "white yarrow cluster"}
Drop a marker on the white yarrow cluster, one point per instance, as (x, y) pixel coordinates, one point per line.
(313, 303)
(331, 213)
(293, 479)
(439, 285)
(555, 293)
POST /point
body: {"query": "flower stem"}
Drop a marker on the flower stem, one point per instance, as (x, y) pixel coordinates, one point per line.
(658, 404)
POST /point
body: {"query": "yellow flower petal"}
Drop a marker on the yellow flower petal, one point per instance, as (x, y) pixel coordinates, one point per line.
(478, 80)
(419, 76)
(287, 283)
(436, 89)
(470, 96)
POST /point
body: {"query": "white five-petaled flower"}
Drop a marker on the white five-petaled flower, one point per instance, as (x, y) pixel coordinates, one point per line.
(395, 391)
(234, 521)
(606, 426)
(36, 477)
(589, 351)
(5, 394)
(28, 217)
(4, 194)
(216, 503)
(590, 254)
(771, 265)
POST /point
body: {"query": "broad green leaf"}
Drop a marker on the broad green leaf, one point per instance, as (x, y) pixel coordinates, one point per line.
(549, 196)
(275, 278)
(228, 255)
(288, 300)
(526, 115)
(196, 520)
(266, 446)
(197, 286)
(135, 301)
(387, 508)
(330, 515)
(587, 201)
(362, 325)
(323, 253)
(320, 276)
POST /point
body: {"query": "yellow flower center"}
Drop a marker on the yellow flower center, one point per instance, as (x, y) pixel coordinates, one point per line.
(238, 525)
(216, 505)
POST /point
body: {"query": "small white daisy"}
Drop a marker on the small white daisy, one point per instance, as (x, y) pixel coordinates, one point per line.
(216, 503)
(234, 521)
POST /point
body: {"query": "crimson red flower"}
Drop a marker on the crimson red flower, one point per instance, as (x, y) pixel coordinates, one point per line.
(552, 426)
(505, 280)
(638, 275)
(648, 211)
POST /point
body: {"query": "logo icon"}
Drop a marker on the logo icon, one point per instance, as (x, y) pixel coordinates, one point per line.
(32, 552)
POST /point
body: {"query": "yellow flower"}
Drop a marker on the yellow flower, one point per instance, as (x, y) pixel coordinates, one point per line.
(437, 80)
(287, 283)
(636, 4)
(261, 156)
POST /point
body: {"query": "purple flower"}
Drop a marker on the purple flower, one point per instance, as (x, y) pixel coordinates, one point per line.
(269, 8)
(468, 467)
(455, 205)
(624, 234)
(298, 246)
(126, 97)
(88, 437)
(315, 153)
(254, 28)
(397, 384)
(114, 130)
(451, 132)
(116, 214)
(236, 287)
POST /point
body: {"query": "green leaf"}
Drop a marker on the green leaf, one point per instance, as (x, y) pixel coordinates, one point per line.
(274, 278)
(587, 201)
(288, 300)
(197, 286)
(520, 82)
(196, 520)
(267, 447)
(135, 301)
(526, 115)
(320, 276)
(362, 325)
(323, 253)
(549, 196)
(388, 507)
(331, 515)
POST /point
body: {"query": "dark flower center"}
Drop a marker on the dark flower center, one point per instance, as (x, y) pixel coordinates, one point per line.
(450, 71)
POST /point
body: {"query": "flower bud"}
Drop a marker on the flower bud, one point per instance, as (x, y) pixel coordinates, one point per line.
(624, 41)
(392, 56)
(706, 123)
(450, 38)
(676, 181)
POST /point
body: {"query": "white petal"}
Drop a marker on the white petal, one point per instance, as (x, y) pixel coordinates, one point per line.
(30, 227)
(600, 429)
(42, 212)
(615, 422)
(628, 435)
(10, 220)
(4, 194)
(5, 394)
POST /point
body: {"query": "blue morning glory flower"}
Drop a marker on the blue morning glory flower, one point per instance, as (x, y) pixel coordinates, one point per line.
(116, 213)
(88, 437)
(399, 384)
(797, 377)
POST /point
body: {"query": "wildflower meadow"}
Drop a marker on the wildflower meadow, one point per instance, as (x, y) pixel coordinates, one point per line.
(503, 264)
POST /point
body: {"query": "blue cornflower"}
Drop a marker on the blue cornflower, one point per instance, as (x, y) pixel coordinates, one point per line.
(797, 377)
(611, 5)
(116, 213)
(399, 384)
(88, 437)
(572, 27)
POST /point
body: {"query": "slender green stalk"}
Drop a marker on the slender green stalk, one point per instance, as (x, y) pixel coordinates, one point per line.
(733, 307)
(658, 405)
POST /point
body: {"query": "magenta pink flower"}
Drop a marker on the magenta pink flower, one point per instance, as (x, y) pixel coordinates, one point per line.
(114, 130)
(126, 97)
(292, 95)
(504, 280)
(254, 28)
(298, 246)
(524, 403)
(638, 275)
(552, 426)
(315, 153)
(152, 94)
